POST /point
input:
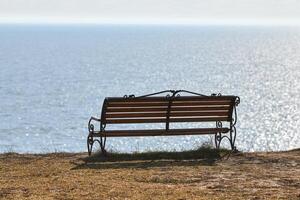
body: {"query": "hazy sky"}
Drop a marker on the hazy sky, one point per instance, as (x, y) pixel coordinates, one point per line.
(151, 11)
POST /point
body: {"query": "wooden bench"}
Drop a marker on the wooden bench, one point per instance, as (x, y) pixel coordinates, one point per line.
(171, 108)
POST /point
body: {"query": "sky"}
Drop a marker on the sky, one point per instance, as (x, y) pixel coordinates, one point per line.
(151, 11)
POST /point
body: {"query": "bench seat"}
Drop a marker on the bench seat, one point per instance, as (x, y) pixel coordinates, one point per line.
(160, 132)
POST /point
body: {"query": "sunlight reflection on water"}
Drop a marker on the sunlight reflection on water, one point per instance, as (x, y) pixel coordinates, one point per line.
(54, 78)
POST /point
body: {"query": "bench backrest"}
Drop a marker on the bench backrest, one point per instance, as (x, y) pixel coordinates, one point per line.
(118, 110)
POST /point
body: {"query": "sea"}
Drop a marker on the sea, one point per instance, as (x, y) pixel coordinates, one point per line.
(53, 78)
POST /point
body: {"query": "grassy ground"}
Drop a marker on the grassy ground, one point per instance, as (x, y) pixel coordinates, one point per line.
(199, 174)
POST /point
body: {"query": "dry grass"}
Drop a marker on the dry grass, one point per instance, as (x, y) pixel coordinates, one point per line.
(161, 175)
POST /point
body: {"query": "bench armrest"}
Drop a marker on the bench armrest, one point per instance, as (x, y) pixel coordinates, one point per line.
(91, 126)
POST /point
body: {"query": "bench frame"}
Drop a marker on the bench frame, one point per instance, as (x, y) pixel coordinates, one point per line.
(171, 94)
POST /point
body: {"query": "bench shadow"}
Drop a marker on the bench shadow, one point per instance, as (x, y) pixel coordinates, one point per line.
(202, 156)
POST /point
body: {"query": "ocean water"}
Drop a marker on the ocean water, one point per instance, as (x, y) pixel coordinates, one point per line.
(53, 78)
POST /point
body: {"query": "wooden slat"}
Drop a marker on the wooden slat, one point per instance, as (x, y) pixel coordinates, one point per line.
(153, 98)
(164, 114)
(162, 98)
(120, 99)
(162, 132)
(198, 103)
(163, 120)
(153, 109)
(200, 108)
(132, 115)
(199, 119)
(163, 104)
(133, 121)
(214, 113)
(209, 98)
(137, 104)
(167, 101)
(136, 109)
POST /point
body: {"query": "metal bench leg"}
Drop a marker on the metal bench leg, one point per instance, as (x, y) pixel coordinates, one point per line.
(232, 127)
(218, 136)
(90, 142)
(102, 145)
(232, 137)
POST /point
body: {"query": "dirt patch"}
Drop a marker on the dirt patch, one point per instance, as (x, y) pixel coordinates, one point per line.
(274, 175)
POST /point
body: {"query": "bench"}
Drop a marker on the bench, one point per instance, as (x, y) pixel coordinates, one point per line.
(167, 109)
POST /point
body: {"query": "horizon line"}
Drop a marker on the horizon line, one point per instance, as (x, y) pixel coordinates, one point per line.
(181, 22)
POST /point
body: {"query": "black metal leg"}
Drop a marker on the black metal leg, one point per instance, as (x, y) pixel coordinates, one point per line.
(102, 145)
(232, 138)
(218, 138)
(90, 143)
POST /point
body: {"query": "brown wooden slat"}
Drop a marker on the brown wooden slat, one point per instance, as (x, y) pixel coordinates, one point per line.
(120, 99)
(162, 98)
(163, 104)
(167, 101)
(160, 132)
(164, 114)
(153, 109)
(213, 98)
(198, 103)
(199, 108)
(132, 115)
(133, 121)
(137, 104)
(163, 120)
(136, 109)
(214, 113)
(138, 100)
(198, 119)
(198, 100)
